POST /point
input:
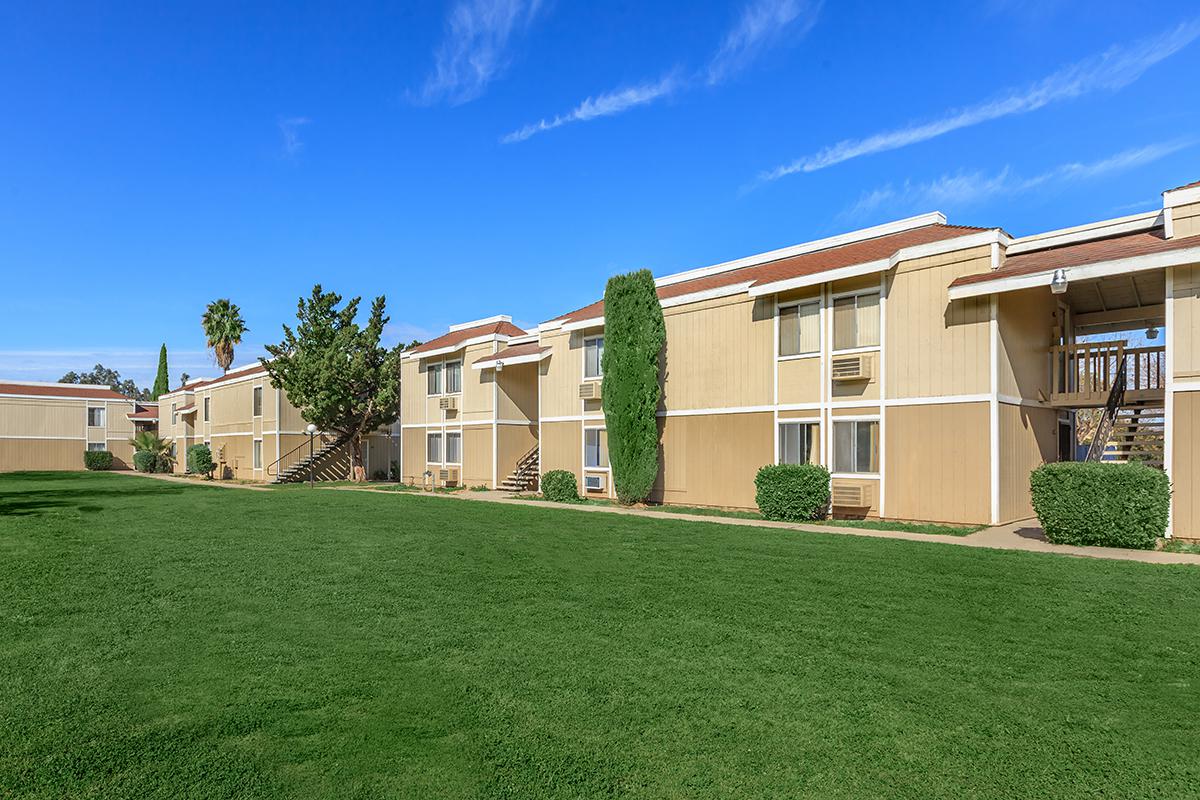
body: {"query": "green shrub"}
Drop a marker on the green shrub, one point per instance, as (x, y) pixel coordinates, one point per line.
(634, 334)
(97, 459)
(199, 460)
(144, 461)
(1110, 505)
(560, 486)
(792, 492)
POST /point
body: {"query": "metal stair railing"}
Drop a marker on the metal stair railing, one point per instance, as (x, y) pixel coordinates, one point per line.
(1116, 398)
(298, 456)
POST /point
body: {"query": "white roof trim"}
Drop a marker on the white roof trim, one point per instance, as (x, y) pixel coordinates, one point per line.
(475, 323)
(454, 348)
(529, 358)
(67, 397)
(578, 325)
(528, 338)
(919, 221)
(1084, 233)
(706, 294)
(1179, 197)
(1083, 272)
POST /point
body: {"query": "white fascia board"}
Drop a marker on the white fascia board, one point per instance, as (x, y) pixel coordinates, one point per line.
(529, 358)
(1102, 269)
(817, 278)
(61, 397)
(706, 294)
(1085, 233)
(475, 323)
(919, 221)
(454, 348)
(578, 325)
(1181, 197)
(528, 338)
(549, 327)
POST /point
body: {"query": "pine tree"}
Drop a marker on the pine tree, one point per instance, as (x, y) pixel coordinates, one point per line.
(162, 383)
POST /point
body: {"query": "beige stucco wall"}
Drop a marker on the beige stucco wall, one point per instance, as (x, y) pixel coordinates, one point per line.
(937, 461)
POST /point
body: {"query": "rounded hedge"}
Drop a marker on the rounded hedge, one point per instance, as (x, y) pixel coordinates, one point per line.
(144, 461)
(792, 492)
(199, 459)
(1108, 505)
(560, 486)
(97, 459)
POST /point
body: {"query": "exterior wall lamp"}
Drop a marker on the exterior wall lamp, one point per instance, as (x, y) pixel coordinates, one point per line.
(1058, 284)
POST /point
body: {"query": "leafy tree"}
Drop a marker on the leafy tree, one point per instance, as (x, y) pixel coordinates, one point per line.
(159, 448)
(634, 334)
(103, 376)
(162, 381)
(336, 372)
(223, 328)
(184, 378)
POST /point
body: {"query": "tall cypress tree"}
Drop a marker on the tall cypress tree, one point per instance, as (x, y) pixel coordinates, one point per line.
(634, 335)
(162, 383)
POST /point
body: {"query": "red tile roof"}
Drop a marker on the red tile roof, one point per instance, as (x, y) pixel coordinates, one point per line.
(72, 390)
(1074, 255)
(527, 349)
(1191, 185)
(801, 265)
(257, 369)
(145, 414)
(455, 337)
(186, 409)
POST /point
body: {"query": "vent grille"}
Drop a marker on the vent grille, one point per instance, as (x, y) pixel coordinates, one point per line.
(851, 368)
(589, 390)
(851, 495)
(448, 403)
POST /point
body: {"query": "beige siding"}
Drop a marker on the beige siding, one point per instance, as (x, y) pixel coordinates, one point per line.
(1026, 320)
(1028, 439)
(414, 455)
(692, 447)
(562, 372)
(477, 456)
(40, 454)
(938, 462)
(513, 442)
(800, 380)
(518, 392)
(719, 354)
(1184, 328)
(30, 417)
(477, 401)
(937, 348)
(1185, 466)
(412, 391)
(1186, 220)
(561, 446)
(868, 390)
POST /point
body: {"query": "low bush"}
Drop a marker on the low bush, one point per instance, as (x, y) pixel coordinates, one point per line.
(1109, 505)
(97, 459)
(792, 492)
(144, 461)
(560, 486)
(200, 460)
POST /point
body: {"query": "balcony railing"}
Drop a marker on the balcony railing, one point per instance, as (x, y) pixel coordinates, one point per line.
(1083, 374)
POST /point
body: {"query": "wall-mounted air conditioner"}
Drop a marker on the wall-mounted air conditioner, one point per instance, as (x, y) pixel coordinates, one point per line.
(448, 476)
(851, 495)
(448, 403)
(589, 390)
(851, 368)
(593, 483)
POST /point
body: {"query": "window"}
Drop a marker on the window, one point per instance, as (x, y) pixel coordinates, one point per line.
(433, 448)
(800, 329)
(174, 451)
(95, 417)
(174, 416)
(856, 321)
(454, 377)
(796, 442)
(206, 409)
(856, 447)
(453, 448)
(258, 401)
(258, 453)
(595, 449)
(96, 446)
(593, 357)
(433, 378)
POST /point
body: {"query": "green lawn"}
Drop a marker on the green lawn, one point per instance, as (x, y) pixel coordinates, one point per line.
(171, 641)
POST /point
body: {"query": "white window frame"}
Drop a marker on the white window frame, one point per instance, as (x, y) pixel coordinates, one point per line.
(814, 445)
(431, 370)
(598, 429)
(587, 340)
(857, 293)
(446, 373)
(429, 437)
(97, 447)
(811, 301)
(446, 448)
(174, 414)
(854, 446)
(256, 399)
(256, 454)
(103, 416)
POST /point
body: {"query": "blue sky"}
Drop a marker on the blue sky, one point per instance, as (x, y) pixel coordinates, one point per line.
(507, 156)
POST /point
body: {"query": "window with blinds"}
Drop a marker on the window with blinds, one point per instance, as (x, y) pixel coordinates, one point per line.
(856, 321)
(800, 329)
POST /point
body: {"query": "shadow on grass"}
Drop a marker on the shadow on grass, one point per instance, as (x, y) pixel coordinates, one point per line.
(77, 495)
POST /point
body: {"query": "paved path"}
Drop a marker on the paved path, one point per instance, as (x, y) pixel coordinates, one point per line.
(1024, 535)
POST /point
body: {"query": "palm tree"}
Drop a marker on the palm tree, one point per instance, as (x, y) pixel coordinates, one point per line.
(151, 442)
(223, 328)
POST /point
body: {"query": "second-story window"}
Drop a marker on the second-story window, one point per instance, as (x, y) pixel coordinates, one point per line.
(433, 379)
(856, 321)
(800, 329)
(593, 357)
(206, 409)
(453, 377)
(174, 415)
(95, 417)
(258, 401)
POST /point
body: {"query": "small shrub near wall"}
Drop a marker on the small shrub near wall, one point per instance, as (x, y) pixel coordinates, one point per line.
(792, 492)
(199, 460)
(144, 461)
(559, 485)
(97, 459)
(1109, 505)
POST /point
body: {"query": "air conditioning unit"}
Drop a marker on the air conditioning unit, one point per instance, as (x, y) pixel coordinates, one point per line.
(851, 368)
(851, 495)
(448, 403)
(589, 390)
(448, 476)
(593, 483)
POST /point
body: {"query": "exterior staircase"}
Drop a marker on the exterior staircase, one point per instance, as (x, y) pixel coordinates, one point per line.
(1138, 434)
(525, 477)
(293, 466)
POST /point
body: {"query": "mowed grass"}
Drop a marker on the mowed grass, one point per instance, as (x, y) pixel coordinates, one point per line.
(159, 640)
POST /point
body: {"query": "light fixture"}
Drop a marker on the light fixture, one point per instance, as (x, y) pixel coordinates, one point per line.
(1152, 332)
(311, 429)
(1058, 284)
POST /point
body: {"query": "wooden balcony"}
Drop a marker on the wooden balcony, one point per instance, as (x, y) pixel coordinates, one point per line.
(1082, 375)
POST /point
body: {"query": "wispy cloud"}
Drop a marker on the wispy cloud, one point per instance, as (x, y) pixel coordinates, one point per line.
(972, 188)
(1114, 69)
(602, 105)
(476, 48)
(138, 365)
(762, 25)
(289, 129)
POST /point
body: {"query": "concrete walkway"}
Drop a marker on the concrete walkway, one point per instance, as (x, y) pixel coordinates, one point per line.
(1024, 535)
